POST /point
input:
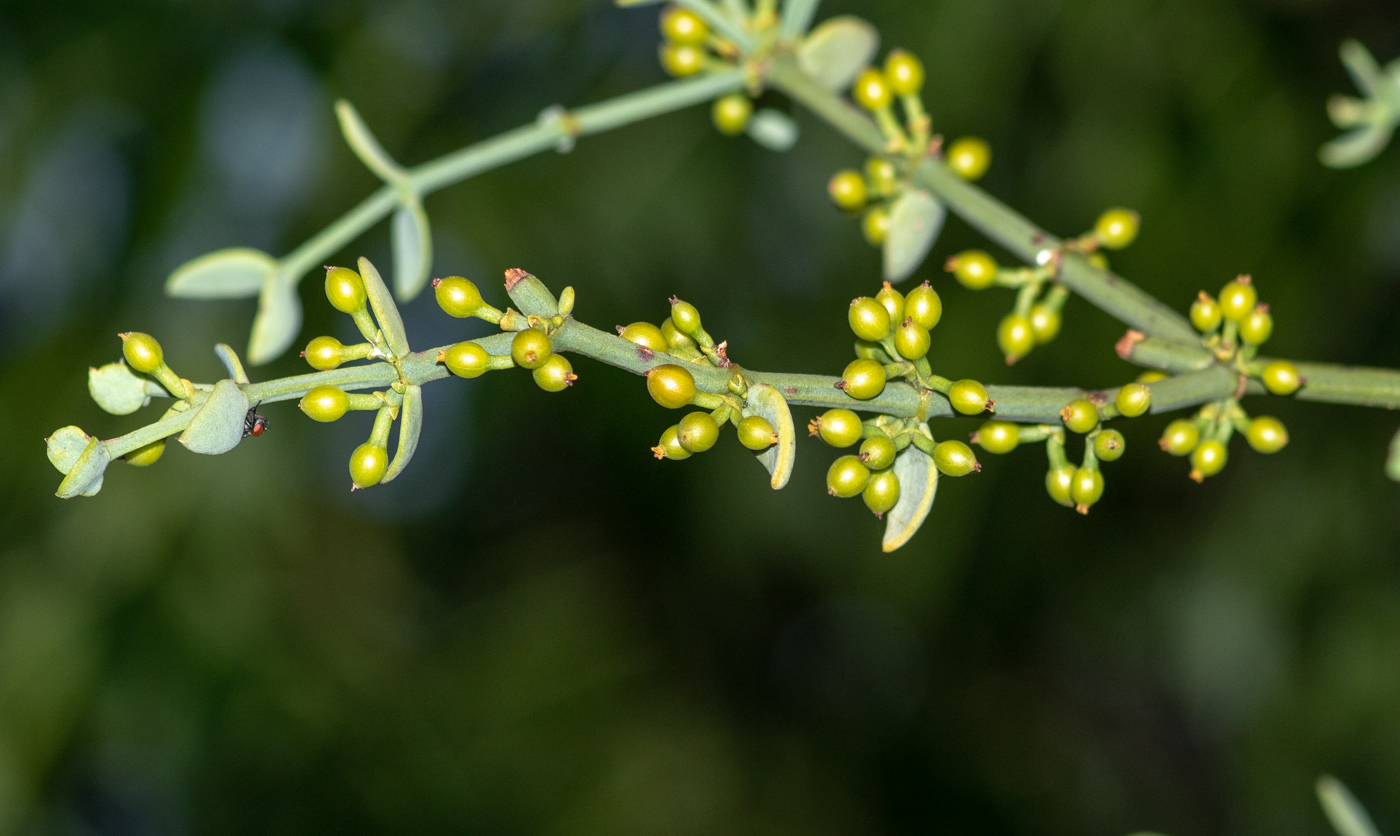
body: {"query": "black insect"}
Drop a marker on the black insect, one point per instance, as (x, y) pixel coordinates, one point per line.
(253, 423)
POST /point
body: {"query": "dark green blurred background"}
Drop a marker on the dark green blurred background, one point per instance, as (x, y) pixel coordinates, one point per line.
(541, 629)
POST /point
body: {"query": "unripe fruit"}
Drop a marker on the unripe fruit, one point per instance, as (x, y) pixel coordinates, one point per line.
(1045, 323)
(670, 446)
(683, 26)
(839, 427)
(904, 72)
(1152, 376)
(847, 477)
(671, 386)
(681, 60)
(924, 306)
(556, 375)
(530, 349)
(872, 90)
(323, 353)
(1086, 489)
(973, 269)
(1238, 298)
(847, 190)
(893, 301)
(863, 379)
(868, 319)
(969, 397)
(998, 437)
(881, 492)
(1015, 337)
(697, 432)
(954, 458)
(685, 317)
(1208, 459)
(877, 452)
(674, 338)
(1267, 434)
(756, 433)
(457, 296)
(466, 359)
(142, 352)
(1109, 445)
(147, 455)
(883, 177)
(1180, 437)
(345, 289)
(646, 335)
(911, 339)
(969, 157)
(1059, 483)
(1117, 228)
(1281, 377)
(325, 403)
(731, 114)
(1080, 416)
(367, 465)
(1133, 400)
(1257, 326)
(875, 225)
(1205, 313)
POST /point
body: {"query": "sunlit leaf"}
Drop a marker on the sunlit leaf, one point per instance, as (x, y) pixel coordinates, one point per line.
(217, 426)
(224, 274)
(277, 323)
(915, 221)
(65, 446)
(773, 130)
(85, 477)
(386, 313)
(918, 483)
(229, 358)
(766, 402)
(410, 425)
(836, 51)
(1347, 815)
(118, 390)
(413, 250)
(1357, 147)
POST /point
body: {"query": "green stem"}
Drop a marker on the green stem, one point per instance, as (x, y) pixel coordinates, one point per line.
(797, 18)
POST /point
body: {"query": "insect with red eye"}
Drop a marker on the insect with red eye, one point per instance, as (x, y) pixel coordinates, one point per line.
(253, 423)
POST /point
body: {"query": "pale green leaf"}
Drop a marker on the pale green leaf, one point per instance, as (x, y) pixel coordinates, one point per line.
(120, 391)
(918, 483)
(363, 142)
(530, 295)
(277, 323)
(915, 221)
(413, 250)
(229, 358)
(1347, 815)
(217, 426)
(410, 425)
(1357, 147)
(386, 313)
(85, 477)
(836, 51)
(773, 130)
(796, 17)
(65, 446)
(224, 274)
(766, 402)
(1362, 66)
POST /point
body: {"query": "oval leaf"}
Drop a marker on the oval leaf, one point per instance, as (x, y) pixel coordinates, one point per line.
(229, 358)
(413, 251)
(1347, 815)
(767, 402)
(277, 323)
(225, 274)
(65, 446)
(773, 130)
(119, 390)
(1360, 146)
(386, 313)
(218, 425)
(918, 482)
(915, 221)
(363, 142)
(836, 51)
(410, 425)
(85, 477)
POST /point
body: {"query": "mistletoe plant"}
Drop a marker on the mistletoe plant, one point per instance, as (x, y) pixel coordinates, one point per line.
(728, 52)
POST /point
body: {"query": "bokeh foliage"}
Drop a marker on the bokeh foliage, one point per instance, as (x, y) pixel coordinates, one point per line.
(539, 628)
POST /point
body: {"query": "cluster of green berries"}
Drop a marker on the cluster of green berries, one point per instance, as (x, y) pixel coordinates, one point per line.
(869, 473)
(687, 41)
(1206, 437)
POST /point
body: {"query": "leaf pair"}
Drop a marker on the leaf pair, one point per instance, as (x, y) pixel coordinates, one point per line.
(1373, 118)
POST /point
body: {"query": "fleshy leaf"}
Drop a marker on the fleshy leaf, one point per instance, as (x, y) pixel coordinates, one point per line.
(773, 130)
(410, 425)
(120, 391)
(229, 358)
(767, 402)
(217, 426)
(1362, 66)
(529, 294)
(386, 313)
(413, 250)
(1347, 815)
(1392, 464)
(836, 51)
(85, 477)
(915, 221)
(918, 483)
(277, 323)
(1360, 146)
(223, 274)
(65, 446)
(363, 142)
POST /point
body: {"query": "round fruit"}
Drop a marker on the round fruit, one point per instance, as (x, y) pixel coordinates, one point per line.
(1205, 313)
(905, 73)
(457, 296)
(882, 175)
(1086, 488)
(1208, 459)
(974, 269)
(998, 437)
(1133, 400)
(697, 432)
(1080, 416)
(681, 60)
(881, 492)
(674, 338)
(530, 349)
(1152, 376)
(325, 403)
(756, 433)
(467, 360)
(869, 319)
(863, 379)
(1281, 377)
(955, 458)
(893, 301)
(923, 306)
(839, 427)
(670, 447)
(646, 335)
(969, 157)
(1045, 323)
(877, 452)
(147, 455)
(875, 225)
(345, 289)
(142, 352)
(1180, 437)
(969, 397)
(847, 477)
(1267, 434)
(1258, 326)
(1109, 445)
(367, 465)
(683, 26)
(556, 375)
(686, 317)
(872, 90)
(1059, 483)
(671, 386)
(1238, 298)
(323, 353)
(731, 114)
(847, 190)
(1117, 228)
(1015, 337)
(911, 339)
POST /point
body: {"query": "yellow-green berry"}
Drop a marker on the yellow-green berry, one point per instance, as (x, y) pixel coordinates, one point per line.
(1238, 298)
(1257, 326)
(1267, 434)
(670, 447)
(904, 72)
(367, 465)
(671, 386)
(1080, 416)
(142, 352)
(847, 477)
(1205, 313)
(998, 437)
(1180, 437)
(323, 353)
(697, 432)
(556, 375)
(924, 306)
(530, 349)
(1045, 323)
(1208, 459)
(147, 455)
(847, 190)
(1059, 483)
(877, 452)
(1281, 377)
(646, 335)
(1086, 489)
(756, 433)
(872, 90)
(681, 60)
(875, 225)
(893, 301)
(731, 114)
(457, 296)
(466, 359)
(1109, 445)
(882, 176)
(838, 427)
(882, 492)
(1117, 228)
(345, 289)
(954, 458)
(1133, 400)
(869, 319)
(863, 379)
(682, 26)
(1015, 337)
(973, 269)
(911, 339)
(969, 397)
(969, 157)
(325, 403)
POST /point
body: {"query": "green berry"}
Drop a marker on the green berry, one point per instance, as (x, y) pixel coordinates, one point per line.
(847, 477)
(1045, 323)
(731, 114)
(686, 317)
(847, 190)
(467, 359)
(904, 72)
(367, 465)
(882, 176)
(1205, 313)
(1257, 326)
(345, 289)
(875, 225)
(838, 427)
(457, 296)
(868, 319)
(530, 349)
(323, 353)
(1133, 400)
(1098, 260)
(911, 339)
(556, 375)
(325, 404)
(877, 452)
(147, 455)
(1238, 298)
(756, 433)
(969, 157)
(1015, 337)
(954, 458)
(681, 60)
(923, 306)
(969, 397)
(142, 352)
(998, 437)
(1109, 445)
(645, 335)
(1180, 437)
(670, 447)
(674, 338)
(1281, 377)
(1080, 416)
(697, 432)
(881, 492)
(1267, 434)
(872, 90)
(1085, 489)
(671, 386)
(973, 269)
(1208, 459)
(1059, 483)
(863, 379)
(1117, 228)
(682, 26)
(1152, 376)
(893, 301)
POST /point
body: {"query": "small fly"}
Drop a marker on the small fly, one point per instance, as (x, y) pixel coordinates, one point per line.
(253, 423)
